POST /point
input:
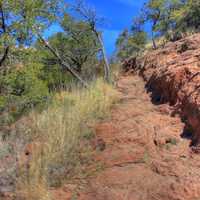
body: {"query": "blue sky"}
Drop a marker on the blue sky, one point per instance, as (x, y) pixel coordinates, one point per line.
(118, 14)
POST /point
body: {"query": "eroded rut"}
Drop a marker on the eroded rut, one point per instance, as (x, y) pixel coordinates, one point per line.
(145, 157)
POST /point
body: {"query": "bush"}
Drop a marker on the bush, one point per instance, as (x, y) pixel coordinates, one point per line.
(55, 77)
(22, 89)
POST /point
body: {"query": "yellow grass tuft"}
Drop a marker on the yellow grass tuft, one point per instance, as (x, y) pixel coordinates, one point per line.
(59, 130)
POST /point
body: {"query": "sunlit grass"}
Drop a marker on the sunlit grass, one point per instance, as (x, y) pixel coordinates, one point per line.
(58, 132)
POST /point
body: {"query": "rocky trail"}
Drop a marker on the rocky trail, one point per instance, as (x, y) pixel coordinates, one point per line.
(145, 151)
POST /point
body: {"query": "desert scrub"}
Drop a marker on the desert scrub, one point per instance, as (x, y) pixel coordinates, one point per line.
(60, 131)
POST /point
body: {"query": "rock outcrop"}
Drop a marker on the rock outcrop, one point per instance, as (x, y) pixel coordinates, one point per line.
(172, 74)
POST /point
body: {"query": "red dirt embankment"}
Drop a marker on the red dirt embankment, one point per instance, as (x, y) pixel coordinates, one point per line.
(144, 157)
(172, 74)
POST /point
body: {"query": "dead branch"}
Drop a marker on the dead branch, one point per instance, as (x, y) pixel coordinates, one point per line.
(62, 63)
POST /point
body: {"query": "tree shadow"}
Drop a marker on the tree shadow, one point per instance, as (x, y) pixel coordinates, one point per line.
(187, 133)
(156, 97)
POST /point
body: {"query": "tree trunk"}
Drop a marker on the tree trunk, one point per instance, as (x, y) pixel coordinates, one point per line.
(153, 41)
(106, 63)
(3, 27)
(5, 55)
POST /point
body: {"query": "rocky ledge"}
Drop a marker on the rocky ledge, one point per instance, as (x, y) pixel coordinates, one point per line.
(172, 75)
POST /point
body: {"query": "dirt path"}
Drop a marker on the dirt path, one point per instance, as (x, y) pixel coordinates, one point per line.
(145, 157)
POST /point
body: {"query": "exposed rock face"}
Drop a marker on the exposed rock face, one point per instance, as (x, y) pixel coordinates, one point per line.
(172, 75)
(144, 157)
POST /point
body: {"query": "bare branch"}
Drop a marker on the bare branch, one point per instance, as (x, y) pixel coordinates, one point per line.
(90, 17)
(61, 62)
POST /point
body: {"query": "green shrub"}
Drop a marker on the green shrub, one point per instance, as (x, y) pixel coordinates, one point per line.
(55, 77)
(2, 102)
(22, 89)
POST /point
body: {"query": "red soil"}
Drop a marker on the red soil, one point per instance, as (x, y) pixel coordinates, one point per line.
(143, 154)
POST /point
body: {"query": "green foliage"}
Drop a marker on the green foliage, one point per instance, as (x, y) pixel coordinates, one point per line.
(77, 46)
(130, 43)
(23, 16)
(56, 78)
(51, 72)
(172, 18)
(32, 72)
(153, 11)
(83, 46)
(188, 15)
(121, 44)
(21, 20)
(2, 102)
(22, 89)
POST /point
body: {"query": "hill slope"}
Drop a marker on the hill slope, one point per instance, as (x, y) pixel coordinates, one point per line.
(173, 75)
(142, 153)
(145, 148)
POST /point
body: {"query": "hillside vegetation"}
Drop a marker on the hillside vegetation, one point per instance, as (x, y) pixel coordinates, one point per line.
(170, 20)
(54, 90)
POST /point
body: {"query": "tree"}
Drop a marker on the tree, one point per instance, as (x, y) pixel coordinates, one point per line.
(172, 18)
(18, 20)
(130, 43)
(76, 45)
(122, 45)
(90, 17)
(64, 65)
(168, 23)
(153, 11)
(82, 45)
(187, 15)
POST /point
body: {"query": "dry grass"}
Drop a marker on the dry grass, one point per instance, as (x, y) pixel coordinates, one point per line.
(59, 131)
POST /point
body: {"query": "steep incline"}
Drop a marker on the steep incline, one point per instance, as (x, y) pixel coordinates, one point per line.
(173, 75)
(142, 151)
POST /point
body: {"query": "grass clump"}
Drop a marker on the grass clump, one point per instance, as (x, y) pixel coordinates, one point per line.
(62, 131)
